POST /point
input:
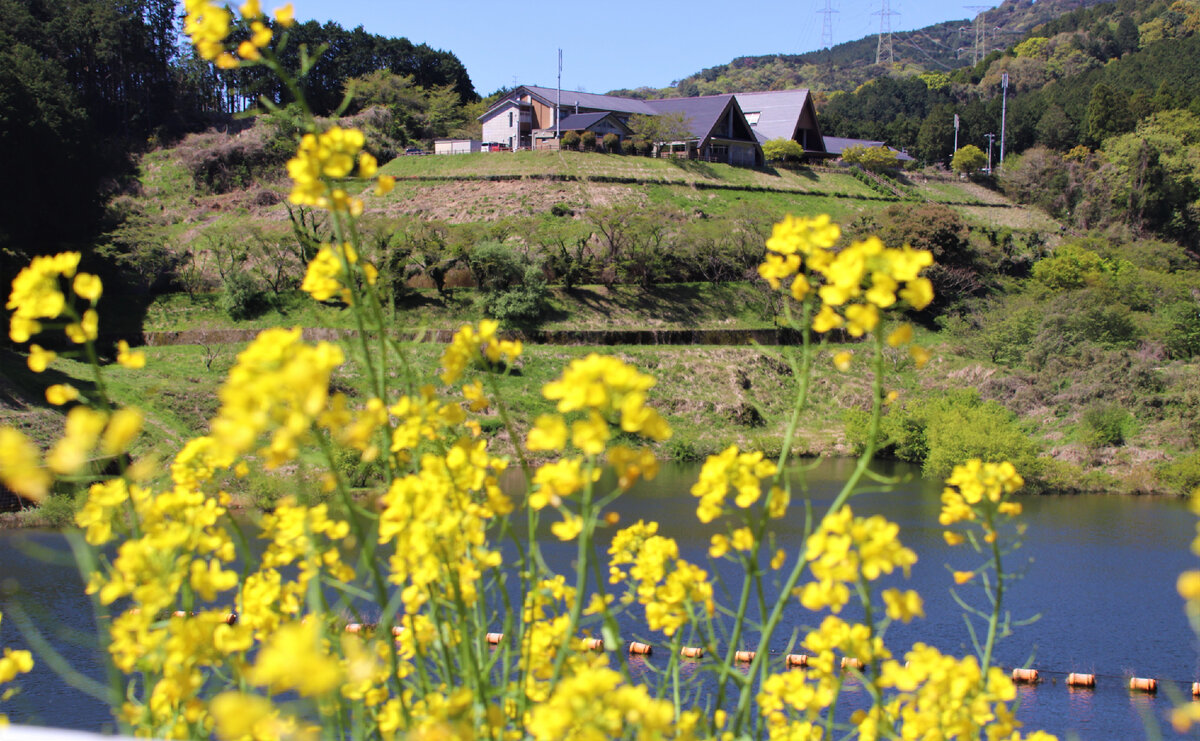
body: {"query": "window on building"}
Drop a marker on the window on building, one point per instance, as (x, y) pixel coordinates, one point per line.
(752, 117)
(510, 119)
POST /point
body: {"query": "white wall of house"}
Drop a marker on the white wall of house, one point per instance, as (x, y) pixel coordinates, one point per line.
(504, 126)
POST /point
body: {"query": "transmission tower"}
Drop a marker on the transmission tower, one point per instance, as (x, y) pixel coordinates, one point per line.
(827, 24)
(979, 51)
(884, 49)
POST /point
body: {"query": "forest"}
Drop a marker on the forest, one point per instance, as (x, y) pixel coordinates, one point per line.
(87, 86)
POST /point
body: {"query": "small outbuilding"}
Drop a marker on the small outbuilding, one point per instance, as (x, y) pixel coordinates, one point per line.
(457, 146)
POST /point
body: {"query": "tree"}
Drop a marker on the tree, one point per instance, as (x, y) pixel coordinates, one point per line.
(968, 160)
(1107, 114)
(874, 159)
(783, 150)
(935, 138)
(664, 128)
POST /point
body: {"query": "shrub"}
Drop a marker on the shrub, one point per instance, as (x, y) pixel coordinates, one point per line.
(612, 143)
(524, 303)
(570, 140)
(495, 265)
(871, 158)
(783, 150)
(1071, 266)
(1105, 425)
(588, 140)
(628, 146)
(1182, 475)
(968, 160)
(511, 288)
(946, 430)
(241, 296)
(1183, 329)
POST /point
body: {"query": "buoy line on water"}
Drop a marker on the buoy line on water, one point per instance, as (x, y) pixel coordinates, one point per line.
(1020, 675)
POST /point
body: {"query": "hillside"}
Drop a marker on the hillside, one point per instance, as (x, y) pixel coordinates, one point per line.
(942, 47)
(1086, 358)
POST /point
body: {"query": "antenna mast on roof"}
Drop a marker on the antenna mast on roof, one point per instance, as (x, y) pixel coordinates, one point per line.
(827, 24)
(558, 100)
(884, 49)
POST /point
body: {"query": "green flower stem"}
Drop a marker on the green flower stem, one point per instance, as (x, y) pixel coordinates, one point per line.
(366, 556)
(588, 514)
(997, 601)
(85, 560)
(860, 469)
(803, 375)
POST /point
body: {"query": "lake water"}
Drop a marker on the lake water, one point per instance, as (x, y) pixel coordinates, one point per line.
(1100, 571)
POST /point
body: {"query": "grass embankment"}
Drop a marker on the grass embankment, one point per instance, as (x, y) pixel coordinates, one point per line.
(204, 230)
(681, 306)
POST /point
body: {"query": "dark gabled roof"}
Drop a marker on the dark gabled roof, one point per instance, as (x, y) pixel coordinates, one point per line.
(571, 98)
(839, 144)
(582, 121)
(702, 114)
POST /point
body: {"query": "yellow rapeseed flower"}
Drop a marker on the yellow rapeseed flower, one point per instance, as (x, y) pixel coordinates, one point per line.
(39, 358)
(61, 393)
(21, 466)
(87, 286)
(130, 359)
(295, 658)
(285, 15)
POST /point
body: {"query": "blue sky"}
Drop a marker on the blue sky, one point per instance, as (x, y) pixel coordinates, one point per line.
(652, 42)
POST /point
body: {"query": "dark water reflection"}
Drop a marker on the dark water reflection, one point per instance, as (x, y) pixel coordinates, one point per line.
(1101, 573)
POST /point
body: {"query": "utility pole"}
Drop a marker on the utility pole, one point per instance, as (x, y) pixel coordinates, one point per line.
(990, 137)
(955, 133)
(1003, 112)
(883, 47)
(558, 101)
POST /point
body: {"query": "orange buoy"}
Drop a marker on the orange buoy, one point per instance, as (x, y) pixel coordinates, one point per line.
(231, 618)
(743, 656)
(181, 613)
(644, 649)
(397, 630)
(1081, 680)
(494, 638)
(691, 652)
(354, 627)
(593, 644)
(1142, 684)
(849, 662)
(1195, 689)
(1025, 676)
(797, 660)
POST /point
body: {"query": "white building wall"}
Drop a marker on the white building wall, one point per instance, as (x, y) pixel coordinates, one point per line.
(455, 146)
(497, 129)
